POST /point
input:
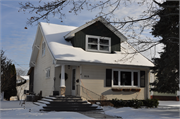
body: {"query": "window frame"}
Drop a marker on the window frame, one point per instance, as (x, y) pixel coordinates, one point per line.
(43, 48)
(119, 78)
(46, 73)
(98, 43)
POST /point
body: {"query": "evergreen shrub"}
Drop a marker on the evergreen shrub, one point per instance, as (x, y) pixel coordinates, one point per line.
(135, 103)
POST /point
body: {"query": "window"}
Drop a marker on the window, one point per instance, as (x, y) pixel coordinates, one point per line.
(125, 78)
(48, 73)
(98, 43)
(43, 48)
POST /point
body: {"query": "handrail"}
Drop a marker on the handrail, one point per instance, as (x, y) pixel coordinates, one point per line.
(88, 90)
(88, 94)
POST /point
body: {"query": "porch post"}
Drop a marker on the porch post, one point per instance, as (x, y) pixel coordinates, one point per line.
(62, 85)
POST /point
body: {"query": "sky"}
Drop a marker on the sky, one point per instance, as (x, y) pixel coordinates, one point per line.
(17, 42)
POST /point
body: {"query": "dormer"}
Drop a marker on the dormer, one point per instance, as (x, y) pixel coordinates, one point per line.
(96, 36)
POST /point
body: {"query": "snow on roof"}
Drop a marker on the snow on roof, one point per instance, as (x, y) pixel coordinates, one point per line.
(25, 77)
(63, 50)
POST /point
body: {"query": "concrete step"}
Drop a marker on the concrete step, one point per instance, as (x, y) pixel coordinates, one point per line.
(69, 104)
(67, 100)
(69, 107)
(75, 109)
(46, 99)
(43, 102)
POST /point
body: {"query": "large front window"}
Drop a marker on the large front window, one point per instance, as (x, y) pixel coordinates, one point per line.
(98, 43)
(126, 78)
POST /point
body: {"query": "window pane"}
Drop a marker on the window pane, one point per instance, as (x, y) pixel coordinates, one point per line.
(142, 78)
(105, 48)
(135, 78)
(104, 42)
(125, 78)
(115, 77)
(93, 47)
(92, 40)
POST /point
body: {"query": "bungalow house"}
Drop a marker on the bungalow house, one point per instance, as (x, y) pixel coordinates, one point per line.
(88, 61)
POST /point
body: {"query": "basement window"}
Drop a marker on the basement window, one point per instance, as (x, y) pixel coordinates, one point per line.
(98, 43)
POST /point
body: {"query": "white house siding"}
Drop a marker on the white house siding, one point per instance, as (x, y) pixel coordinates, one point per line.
(96, 83)
(41, 83)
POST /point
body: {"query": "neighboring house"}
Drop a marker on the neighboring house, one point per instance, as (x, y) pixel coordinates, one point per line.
(89, 60)
(162, 96)
(21, 88)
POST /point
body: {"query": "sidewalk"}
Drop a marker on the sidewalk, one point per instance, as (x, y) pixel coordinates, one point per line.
(169, 104)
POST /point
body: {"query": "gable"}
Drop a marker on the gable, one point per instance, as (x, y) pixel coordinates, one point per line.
(96, 29)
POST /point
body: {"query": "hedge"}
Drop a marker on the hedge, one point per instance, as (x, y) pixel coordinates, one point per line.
(135, 103)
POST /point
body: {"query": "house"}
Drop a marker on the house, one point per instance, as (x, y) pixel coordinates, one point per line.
(21, 88)
(90, 61)
(22, 85)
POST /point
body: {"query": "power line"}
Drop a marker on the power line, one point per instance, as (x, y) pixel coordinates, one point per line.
(20, 65)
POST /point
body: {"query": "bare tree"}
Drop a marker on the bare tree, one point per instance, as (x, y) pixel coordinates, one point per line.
(132, 27)
(20, 72)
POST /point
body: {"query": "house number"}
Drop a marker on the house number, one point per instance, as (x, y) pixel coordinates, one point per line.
(87, 76)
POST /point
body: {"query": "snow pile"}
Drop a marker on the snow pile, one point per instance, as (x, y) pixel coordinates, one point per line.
(142, 113)
(12, 110)
(98, 106)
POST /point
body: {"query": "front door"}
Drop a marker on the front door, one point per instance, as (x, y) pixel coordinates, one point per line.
(73, 86)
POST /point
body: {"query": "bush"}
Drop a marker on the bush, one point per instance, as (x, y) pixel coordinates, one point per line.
(151, 103)
(135, 103)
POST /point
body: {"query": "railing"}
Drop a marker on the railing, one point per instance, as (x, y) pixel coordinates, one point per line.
(88, 94)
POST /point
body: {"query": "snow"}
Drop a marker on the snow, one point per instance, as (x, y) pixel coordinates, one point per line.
(25, 77)
(45, 99)
(162, 112)
(54, 36)
(12, 110)
(169, 103)
(50, 97)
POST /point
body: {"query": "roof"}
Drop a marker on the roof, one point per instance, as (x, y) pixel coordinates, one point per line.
(25, 77)
(101, 19)
(63, 50)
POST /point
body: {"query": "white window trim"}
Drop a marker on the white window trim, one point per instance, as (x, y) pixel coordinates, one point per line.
(43, 48)
(119, 78)
(48, 69)
(98, 37)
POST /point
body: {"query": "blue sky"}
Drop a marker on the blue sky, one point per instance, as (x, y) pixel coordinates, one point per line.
(17, 41)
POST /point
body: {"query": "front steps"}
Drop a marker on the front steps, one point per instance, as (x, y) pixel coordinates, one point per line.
(67, 103)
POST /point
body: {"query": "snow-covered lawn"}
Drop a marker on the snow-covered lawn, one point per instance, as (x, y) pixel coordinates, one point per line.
(166, 110)
(12, 110)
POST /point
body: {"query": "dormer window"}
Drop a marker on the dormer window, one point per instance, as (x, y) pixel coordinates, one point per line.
(98, 43)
